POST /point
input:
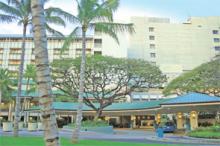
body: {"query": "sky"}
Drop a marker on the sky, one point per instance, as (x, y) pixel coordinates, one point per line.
(177, 10)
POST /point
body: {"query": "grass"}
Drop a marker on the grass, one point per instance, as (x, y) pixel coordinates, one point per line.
(37, 141)
(207, 132)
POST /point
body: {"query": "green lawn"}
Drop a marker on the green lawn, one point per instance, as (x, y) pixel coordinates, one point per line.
(36, 141)
(212, 132)
(205, 134)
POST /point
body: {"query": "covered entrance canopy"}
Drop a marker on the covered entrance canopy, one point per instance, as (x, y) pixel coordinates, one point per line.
(185, 103)
(186, 109)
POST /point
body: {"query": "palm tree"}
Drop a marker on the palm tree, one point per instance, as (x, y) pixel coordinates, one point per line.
(51, 135)
(30, 74)
(5, 83)
(20, 11)
(99, 16)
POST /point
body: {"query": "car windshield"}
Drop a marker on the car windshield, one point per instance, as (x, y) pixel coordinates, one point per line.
(169, 124)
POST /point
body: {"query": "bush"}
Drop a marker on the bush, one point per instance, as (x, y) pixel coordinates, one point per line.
(88, 123)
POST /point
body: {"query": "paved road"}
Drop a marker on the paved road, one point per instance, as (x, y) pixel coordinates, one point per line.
(124, 136)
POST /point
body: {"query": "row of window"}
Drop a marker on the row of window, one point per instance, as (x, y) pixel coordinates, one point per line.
(215, 32)
(151, 37)
(152, 46)
(217, 48)
(216, 40)
(153, 55)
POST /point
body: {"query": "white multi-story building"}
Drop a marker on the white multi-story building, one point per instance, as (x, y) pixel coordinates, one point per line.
(10, 49)
(175, 48)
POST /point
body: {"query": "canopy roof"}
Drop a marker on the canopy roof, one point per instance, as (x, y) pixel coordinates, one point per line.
(190, 98)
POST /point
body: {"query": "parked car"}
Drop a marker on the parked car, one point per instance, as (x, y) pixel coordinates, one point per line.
(169, 127)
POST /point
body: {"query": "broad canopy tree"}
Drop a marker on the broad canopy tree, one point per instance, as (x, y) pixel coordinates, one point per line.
(106, 79)
(202, 79)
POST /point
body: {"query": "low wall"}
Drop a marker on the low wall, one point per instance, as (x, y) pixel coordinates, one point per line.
(103, 129)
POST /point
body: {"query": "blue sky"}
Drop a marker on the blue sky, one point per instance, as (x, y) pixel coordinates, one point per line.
(176, 10)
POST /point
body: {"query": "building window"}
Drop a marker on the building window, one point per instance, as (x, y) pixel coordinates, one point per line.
(1, 50)
(97, 52)
(215, 31)
(98, 43)
(152, 55)
(217, 48)
(32, 51)
(15, 50)
(151, 29)
(152, 46)
(79, 52)
(216, 40)
(151, 37)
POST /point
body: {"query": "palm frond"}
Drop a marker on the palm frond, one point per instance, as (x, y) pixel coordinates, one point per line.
(112, 4)
(86, 9)
(53, 31)
(105, 10)
(26, 7)
(55, 20)
(9, 10)
(53, 11)
(7, 18)
(71, 37)
(13, 2)
(112, 29)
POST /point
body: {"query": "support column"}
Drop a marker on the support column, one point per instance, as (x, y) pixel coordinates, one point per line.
(107, 118)
(10, 112)
(180, 121)
(72, 119)
(193, 120)
(158, 118)
(133, 121)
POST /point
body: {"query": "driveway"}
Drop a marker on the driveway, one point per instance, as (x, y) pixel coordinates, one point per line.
(129, 136)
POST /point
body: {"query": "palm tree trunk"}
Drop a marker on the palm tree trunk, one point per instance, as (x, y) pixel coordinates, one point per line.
(76, 131)
(20, 77)
(10, 111)
(25, 102)
(51, 135)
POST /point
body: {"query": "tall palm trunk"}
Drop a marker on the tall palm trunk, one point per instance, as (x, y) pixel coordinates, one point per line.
(20, 77)
(76, 131)
(51, 135)
(25, 103)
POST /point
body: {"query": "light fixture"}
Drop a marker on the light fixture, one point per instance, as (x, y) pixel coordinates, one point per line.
(193, 114)
(133, 117)
(179, 115)
(158, 116)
